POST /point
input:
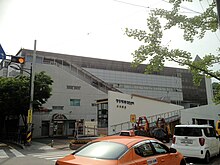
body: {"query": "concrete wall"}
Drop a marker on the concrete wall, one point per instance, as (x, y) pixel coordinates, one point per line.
(206, 112)
(121, 106)
(61, 97)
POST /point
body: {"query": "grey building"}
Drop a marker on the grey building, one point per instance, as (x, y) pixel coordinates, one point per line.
(80, 81)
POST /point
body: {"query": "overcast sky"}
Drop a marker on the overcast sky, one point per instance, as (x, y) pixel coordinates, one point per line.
(91, 28)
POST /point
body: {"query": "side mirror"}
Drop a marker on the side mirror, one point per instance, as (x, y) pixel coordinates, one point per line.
(173, 150)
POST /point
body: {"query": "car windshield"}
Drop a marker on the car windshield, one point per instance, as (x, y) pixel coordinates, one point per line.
(188, 131)
(103, 150)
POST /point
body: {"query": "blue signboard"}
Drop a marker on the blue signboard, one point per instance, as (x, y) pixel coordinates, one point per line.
(2, 53)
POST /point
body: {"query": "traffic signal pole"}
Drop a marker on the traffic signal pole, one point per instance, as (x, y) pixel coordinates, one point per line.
(30, 111)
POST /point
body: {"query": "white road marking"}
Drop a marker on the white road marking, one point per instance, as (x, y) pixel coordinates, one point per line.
(17, 153)
(53, 156)
(3, 154)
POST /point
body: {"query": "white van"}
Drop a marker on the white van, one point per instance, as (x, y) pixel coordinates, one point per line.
(199, 141)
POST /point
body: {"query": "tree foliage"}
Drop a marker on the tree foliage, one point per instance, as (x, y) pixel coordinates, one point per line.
(155, 53)
(216, 89)
(15, 93)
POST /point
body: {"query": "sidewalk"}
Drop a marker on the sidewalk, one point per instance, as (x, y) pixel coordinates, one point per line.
(51, 143)
(47, 143)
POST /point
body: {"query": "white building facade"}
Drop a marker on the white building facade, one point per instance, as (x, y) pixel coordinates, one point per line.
(77, 88)
(122, 106)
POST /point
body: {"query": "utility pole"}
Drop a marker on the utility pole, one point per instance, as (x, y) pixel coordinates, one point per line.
(30, 111)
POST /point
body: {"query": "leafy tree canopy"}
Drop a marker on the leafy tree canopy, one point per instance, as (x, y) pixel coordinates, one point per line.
(15, 93)
(155, 53)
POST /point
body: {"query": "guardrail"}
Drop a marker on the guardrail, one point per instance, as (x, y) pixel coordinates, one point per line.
(168, 116)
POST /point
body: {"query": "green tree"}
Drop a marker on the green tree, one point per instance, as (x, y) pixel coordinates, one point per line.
(155, 53)
(216, 89)
(15, 94)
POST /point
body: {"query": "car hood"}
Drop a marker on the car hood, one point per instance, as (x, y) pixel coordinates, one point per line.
(78, 160)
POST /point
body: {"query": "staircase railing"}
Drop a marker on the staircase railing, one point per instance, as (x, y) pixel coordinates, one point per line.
(80, 73)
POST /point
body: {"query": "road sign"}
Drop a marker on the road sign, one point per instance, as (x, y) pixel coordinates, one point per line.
(2, 53)
(29, 118)
(132, 118)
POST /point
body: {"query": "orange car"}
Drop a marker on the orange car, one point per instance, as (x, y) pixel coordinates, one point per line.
(121, 150)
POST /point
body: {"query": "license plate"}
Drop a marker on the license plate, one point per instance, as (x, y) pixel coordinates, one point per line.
(186, 141)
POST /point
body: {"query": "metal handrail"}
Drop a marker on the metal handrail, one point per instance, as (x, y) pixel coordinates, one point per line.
(167, 116)
(87, 76)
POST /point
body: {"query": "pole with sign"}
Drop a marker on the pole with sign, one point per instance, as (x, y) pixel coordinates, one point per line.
(30, 111)
(133, 119)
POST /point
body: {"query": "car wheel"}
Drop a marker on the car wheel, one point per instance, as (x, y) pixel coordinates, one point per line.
(183, 162)
(207, 157)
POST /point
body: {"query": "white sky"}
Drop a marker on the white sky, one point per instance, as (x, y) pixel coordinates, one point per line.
(91, 28)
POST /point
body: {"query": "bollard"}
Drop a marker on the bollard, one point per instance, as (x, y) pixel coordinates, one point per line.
(51, 143)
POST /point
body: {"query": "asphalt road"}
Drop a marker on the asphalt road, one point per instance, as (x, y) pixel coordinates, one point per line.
(44, 154)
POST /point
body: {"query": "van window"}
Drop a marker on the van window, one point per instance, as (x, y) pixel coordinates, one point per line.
(209, 132)
(187, 131)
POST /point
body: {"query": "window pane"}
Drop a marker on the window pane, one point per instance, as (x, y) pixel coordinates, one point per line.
(74, 102)
(144, 150)
(103, 150)
(159, 148)
(188, 131)
(57, 107)
(71, 124)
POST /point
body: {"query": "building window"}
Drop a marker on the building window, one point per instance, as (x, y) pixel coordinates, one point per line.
(74, 102)
(71, 124)
(69, 87)
(73, 87)
(76, 87)
(57, 107)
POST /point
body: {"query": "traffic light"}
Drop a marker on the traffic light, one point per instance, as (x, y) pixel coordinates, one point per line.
(17, 59)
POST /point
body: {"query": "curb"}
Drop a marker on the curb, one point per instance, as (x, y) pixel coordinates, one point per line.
(11, 142)
(3, 145)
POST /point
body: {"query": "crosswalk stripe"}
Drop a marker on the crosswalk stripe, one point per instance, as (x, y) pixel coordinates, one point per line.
(3, 154)
(53, 156)
(46, 156)
(17, 153)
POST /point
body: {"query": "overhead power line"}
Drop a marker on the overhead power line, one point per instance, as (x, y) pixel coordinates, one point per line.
(147, 7)
(132, 4)
(186, 8)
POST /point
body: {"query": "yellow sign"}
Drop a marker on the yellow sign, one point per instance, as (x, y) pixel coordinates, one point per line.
(132, 118)
(29, 118)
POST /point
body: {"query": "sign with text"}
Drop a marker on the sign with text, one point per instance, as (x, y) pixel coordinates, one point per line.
(29, 118)
(132, 118)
